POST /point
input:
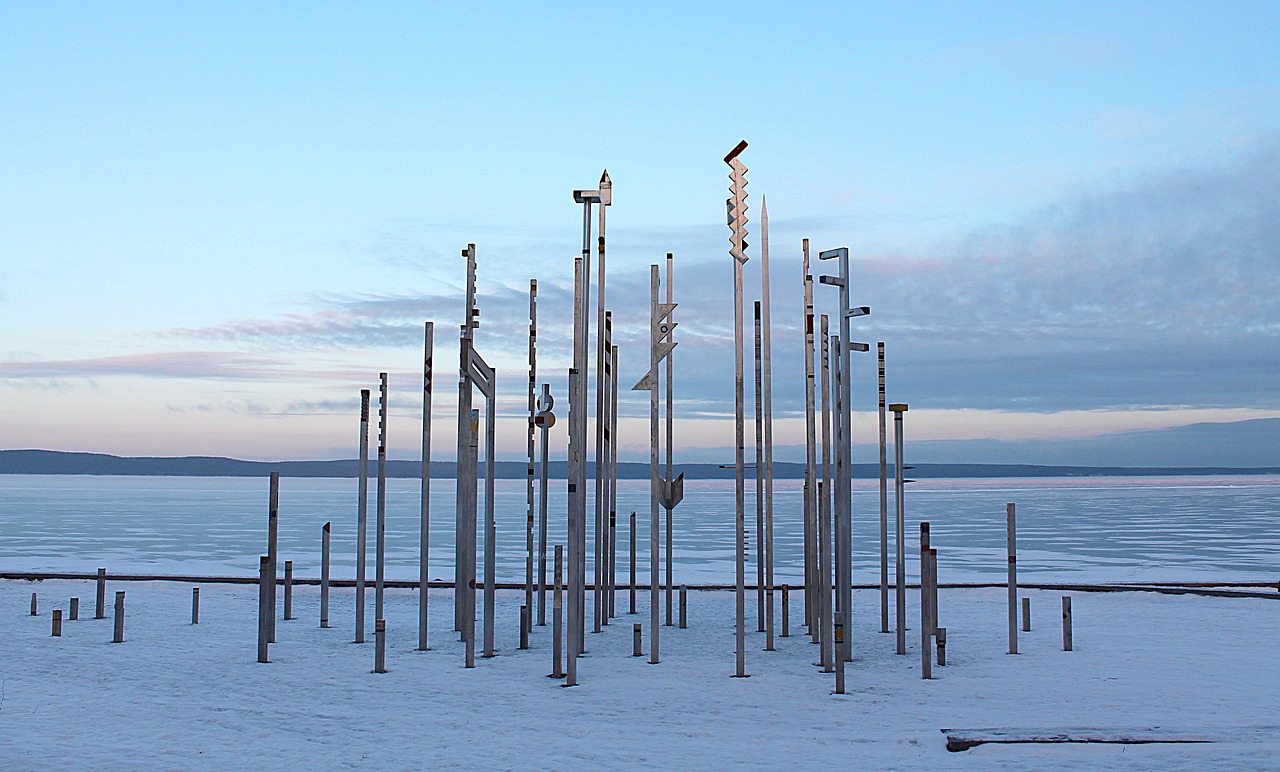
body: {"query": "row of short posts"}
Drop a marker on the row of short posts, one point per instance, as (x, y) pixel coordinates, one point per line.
(74, 610)
(1012, 542)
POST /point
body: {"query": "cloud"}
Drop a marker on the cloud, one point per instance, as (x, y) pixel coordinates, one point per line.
(165, 364)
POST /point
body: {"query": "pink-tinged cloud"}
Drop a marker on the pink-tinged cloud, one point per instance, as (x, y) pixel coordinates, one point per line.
(161, 364)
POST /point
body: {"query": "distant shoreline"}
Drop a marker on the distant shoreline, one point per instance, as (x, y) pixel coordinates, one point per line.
(52, 462)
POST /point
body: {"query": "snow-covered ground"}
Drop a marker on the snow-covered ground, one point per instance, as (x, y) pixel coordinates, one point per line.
(177, 696)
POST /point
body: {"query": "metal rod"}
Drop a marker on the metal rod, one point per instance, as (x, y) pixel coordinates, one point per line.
(1012, 539)
(75, 609)
(824, 617)
(380, 646)
(1026, 614)
(613, 477)
(557, 615)
(524, 626)
(900, 529)
(575, 527)
(684, 606)
(759, 469)
(737, 211)
(34, 609)
(637, 635)
(605, 474)
(884, 497)
(324, 575)
(118, 636)
(940, 637)
(264, 607)
(810, 460)
(839, 654)
(465, 486)
(362, 514)
(926, 615)
(767, 370)
(670, 436)
(56, 631)
(544, 409)
(424, 501)
(490, 520)
(288, 590)
(469, 598)
(602, 355)
(632, 584)
(273, 526)
(786, 611)
(529, 444)
(381, 547)
(101, 612)
(655, 343)
(840, 510)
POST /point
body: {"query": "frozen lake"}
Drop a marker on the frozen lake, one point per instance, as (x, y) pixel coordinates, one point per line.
(1070, 529)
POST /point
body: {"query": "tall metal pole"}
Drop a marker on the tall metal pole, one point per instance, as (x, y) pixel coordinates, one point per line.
(767, 370)
(362, 514)
(605, 198)
(1012, 539)
(466, 480)
(900, 529)
(759, 467)
(380, 568)
(604, 474)
(613, 476)
(532, 408)
(666, 501)
(577, 472)
(810, 459)
(840, 523)
(469, 598)
(424, 513)
(655, 340)
(825, 618)
(737, 216)
(324, 575)
(490, 517)
(884, 499)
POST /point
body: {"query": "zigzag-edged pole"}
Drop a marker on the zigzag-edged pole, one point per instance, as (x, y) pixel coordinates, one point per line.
(737, 221)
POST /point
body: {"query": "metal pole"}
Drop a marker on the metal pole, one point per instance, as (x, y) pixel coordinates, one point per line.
(465, 486)
(424, 503)
(655, 341)
(56, 631)
(1012, 539)
(632, 585)
(684, 606)
(490, 519)
(1026, 614)
(840, 521)
(324, 575)
(380, 646)
(604, 592)
(759, 467)
(884, 499)
(900, 530)
(381, 548)
(575, 530)
(926, 615)
(118, 637)
(362, 514)
(810, 460)
(545, 403)
(840, 647)
(264, 608)
(34, 610)
(670, 435)
(637, 635)
(1067, 643)
(786, 611)
(469, 597)
(532, 408)
(613, 477)
(824, 618)
(101, 613)
(767, 369)
(288, 590)
(75, 609)
(737, 215)
(557, 615)
(273, 523)
(602, 355)
(524, 627)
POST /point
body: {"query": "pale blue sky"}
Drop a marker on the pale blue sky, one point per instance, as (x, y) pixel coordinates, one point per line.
(218, 222)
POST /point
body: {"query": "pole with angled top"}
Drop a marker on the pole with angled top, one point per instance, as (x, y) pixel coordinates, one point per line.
(900, 529)
(767, 370)
(737, 217)
(424, 504)
(605, 199)
(362, 513)
(465, 496)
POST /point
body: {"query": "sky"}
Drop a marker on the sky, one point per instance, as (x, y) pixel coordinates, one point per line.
(220, 221)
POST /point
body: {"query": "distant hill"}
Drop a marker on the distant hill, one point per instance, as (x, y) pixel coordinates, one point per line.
(59, 462)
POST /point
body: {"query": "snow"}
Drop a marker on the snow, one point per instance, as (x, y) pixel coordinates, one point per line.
(178, 696)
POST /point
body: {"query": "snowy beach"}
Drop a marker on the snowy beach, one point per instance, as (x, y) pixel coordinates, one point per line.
(175, 695)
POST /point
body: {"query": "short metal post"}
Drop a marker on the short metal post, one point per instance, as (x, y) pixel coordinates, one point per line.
(288, 589)
(633, 564)
(33, 604)
(273, 550)
(524, 627)
(839, 652)
(557, 615)
(380, 646)
(926, 615)
(1066, 623)
(1012, 539)
(1026, 615)
(101, 612)
(933, 588)
(195, 605)
(57, 623)
(324, 576)
(684, 606)
(637, 634)
(786, 611)
(940, 635)
(118, 637)
(75, 609)
(264, 608)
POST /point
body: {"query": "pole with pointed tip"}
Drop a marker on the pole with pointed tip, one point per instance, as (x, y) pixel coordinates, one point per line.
(532, 408)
